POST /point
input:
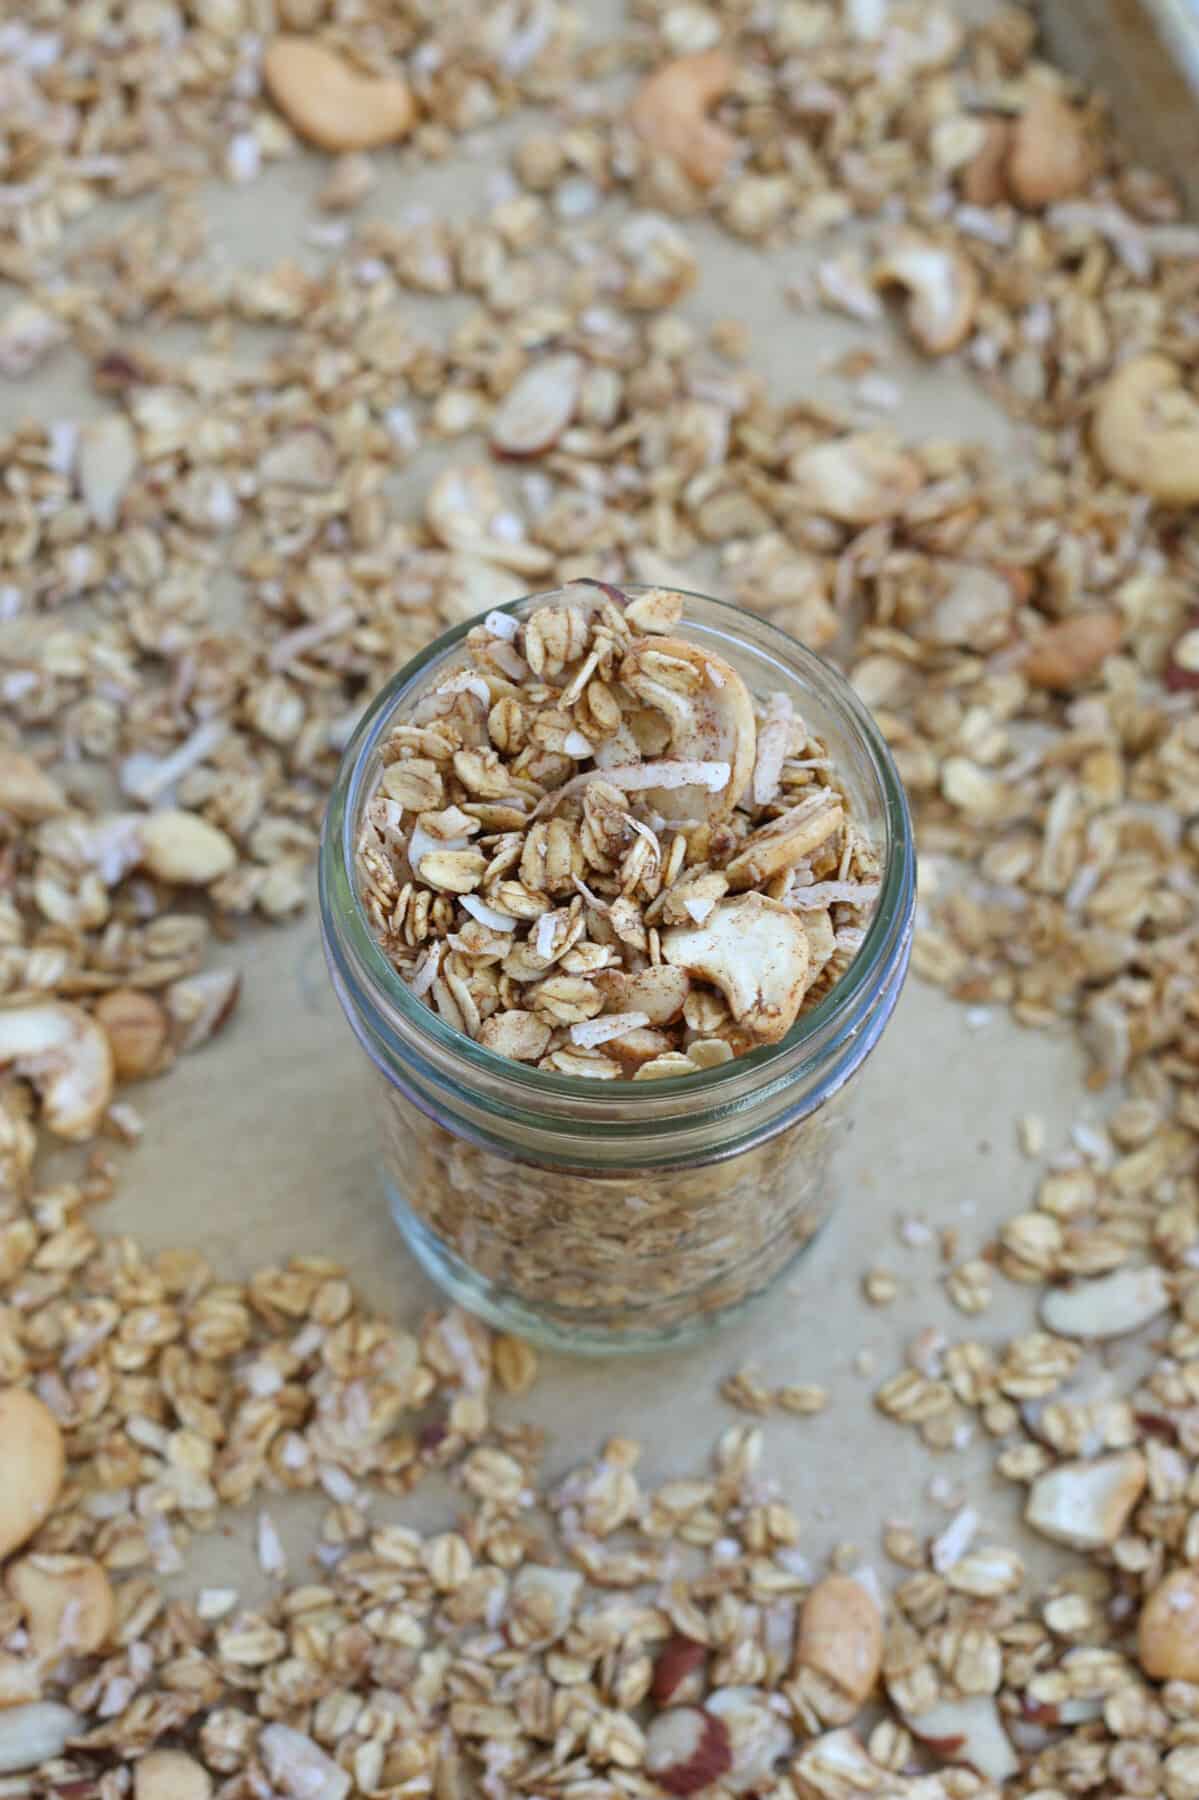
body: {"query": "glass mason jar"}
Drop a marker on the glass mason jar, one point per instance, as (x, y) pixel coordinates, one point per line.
(596, 1216)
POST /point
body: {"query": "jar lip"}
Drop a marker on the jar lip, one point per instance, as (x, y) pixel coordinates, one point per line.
(351, 946)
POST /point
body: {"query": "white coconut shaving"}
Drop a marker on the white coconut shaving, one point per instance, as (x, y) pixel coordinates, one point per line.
(486, 915)
(576, 745)
(547, 929)
(700, 907)
(633, 777)
(832, 893)
(422, 843)
(590, 1032)
(467, 683)
(426, 972)
(773, 740)
(502, 625)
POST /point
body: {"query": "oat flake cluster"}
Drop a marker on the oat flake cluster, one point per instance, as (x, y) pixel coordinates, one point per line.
(591, 850)
(1029, 642)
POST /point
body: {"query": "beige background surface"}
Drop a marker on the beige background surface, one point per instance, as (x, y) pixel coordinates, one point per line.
(261, 1146)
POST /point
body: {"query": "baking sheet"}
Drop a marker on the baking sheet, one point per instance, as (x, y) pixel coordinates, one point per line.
(261, 1146)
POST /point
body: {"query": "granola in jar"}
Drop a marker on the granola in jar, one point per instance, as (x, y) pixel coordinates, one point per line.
(597, 852)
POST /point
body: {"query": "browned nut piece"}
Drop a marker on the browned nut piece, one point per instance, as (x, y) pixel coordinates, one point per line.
(1182, 665)
(1146, 431)
(1072, 650)
(66, 1055)
(1168, 1630)
(1051, 156)
(332, 104)
(678, 1670)
(201, 1005)
(756, 952)
(32, 1462)
(26, 791)
(170, 1775)
(840, 1641)
(943, 292)
(66, 1602)
(983, 180)
(670, 112)
(137, 1029)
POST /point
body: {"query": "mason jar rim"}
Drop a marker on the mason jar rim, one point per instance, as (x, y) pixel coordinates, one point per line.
(364, 973)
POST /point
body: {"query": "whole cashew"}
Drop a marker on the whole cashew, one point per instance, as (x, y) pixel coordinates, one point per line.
(711, 719)
(1051, 156)
(670, 112)
(67, 1056)
(332, 104)
(1146, 431)
(943, 291)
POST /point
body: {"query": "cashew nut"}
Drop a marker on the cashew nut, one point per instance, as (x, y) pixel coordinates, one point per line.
(1168, 1629)
(66, 1601)
(32, 1461)
(710, 715)
(756, 953)
(1146, 431)
(670, 112)
(170, 1775)
(943, 289)
(332, 104)
(67, 1057)
(983, 180)
(1051, 156)
(857, 479)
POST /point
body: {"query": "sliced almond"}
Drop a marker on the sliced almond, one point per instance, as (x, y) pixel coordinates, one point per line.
(1108, 1307)
(756, 952)
(1087, 1504)
(201, 1005)
(686, 1750)
(538, 406)
(968, 1731)
(678, 1671)
(759, 1737)
(137, 1029)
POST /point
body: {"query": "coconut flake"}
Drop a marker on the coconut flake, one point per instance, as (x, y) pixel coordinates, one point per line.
(820, 894)
(952, 1543)
(426, 972)
(700, 907)
(590, 1032)
(466, 682)
(632, 777)
(270, 1546)
(576, 745)
(486, 915)
(773, 740)
(547, 926)
(502, 625)
(422, 843)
